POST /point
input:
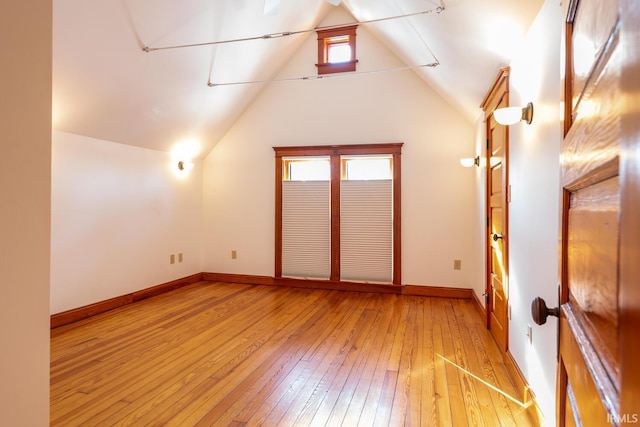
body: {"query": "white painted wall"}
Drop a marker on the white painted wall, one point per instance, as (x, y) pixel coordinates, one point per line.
(438, 198)
(117, 213)
(25, 181)
(534, 209)
(478, 236)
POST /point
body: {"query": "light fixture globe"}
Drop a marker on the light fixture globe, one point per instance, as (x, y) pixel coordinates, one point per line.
(512, 115)
(470, 161)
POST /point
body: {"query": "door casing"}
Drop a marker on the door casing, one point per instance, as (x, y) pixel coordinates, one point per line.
(496, 305)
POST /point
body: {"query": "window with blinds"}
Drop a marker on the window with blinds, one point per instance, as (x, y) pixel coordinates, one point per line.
(366, 230)
(306, 218)
(338, 213)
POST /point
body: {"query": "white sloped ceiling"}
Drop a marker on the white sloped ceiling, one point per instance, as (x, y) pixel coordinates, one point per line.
(106, 86)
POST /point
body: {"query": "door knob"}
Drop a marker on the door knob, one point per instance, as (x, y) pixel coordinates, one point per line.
(496, 237)
(540, 311)
(487, 298)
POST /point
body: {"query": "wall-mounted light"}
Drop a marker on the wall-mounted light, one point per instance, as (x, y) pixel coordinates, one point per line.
(185, 166)
(467, 162)
(512, 115)
(183, 156)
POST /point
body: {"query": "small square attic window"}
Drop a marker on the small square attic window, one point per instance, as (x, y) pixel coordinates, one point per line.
(337, 50)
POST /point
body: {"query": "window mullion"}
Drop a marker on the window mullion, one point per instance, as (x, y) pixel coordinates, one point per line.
(397, 232)
(278, 225)
(335, 216)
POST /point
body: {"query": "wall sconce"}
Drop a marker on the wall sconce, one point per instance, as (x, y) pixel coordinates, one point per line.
(512, 115)
(467, 162)
(185, 166)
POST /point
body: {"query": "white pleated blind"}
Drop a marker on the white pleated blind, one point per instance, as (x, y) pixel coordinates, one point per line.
(306, 229)
(366, 230)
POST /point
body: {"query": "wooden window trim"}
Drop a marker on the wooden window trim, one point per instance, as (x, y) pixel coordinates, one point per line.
(324, 41)
(335, 152)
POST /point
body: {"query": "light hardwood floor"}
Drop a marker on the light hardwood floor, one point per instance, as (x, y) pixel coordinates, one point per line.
(235, 355)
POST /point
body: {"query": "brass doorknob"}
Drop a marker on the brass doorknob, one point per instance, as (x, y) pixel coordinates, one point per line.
(496, 237)
(540, 311)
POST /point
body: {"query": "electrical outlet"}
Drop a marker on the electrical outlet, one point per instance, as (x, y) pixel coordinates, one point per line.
(457, 264)
(234, 254)
(530, 334)
(180, 257)
(172, 259)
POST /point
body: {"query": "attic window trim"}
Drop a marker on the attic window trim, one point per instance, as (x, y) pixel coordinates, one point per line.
(334, 36)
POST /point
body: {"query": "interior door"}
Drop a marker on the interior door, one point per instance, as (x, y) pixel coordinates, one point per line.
(589, 362)
(497, 211)
(497, 285)
(629, 292)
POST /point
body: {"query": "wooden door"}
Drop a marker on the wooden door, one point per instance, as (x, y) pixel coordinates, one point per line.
(496, 190)
(497, 283)
(629, 292)
(592, 333)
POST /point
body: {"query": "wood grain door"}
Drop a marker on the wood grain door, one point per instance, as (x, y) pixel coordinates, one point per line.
(497, 294)
(497, 280)
(629, 292)
(592, 335)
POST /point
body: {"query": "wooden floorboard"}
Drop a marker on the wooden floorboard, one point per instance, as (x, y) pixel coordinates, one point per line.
(225, 354)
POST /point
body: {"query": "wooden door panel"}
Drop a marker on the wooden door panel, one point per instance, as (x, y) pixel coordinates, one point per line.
(587, 398)
(592, 267)
(496, 228)
(497, 255)
(594, 21)
(497, 330)
(588, 391)
(594, 137)
(498, 297)
(496, 179)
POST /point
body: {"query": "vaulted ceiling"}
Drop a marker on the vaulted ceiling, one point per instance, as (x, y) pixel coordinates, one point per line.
(106, 86)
